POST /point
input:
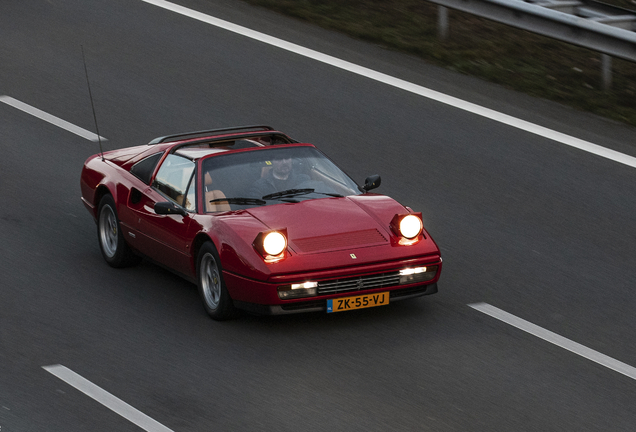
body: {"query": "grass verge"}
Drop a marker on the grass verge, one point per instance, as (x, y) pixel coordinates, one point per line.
(517, 59)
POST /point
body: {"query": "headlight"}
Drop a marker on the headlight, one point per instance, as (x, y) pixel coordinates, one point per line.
(271, 244)
(274, 243)
(408, 226)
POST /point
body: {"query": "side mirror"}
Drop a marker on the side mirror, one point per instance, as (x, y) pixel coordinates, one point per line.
(372, 182)
(169, 208)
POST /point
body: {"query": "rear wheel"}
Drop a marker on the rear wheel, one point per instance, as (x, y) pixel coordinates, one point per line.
(216, 299)
(111, 239)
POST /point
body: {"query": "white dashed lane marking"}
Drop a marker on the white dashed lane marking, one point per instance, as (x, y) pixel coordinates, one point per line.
(556, 339)
(108, 400)
(35, 112)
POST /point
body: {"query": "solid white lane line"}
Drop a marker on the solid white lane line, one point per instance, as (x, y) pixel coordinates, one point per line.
(108, 400)
(50, 118)
(556, 339)
(402, 84)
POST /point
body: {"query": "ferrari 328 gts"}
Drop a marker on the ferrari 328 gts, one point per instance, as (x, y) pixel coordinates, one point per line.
(259, 222)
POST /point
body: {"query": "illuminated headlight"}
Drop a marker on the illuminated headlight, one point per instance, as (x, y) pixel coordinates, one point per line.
(305, 289)
(274, 243)
(271, 244)
(409, 226)
(417, 274)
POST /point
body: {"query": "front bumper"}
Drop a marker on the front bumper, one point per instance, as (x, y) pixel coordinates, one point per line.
(320, 305)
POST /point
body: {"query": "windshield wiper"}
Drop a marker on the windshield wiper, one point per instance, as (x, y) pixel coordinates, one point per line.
(240, 201)
(330, 194)
(287, 193)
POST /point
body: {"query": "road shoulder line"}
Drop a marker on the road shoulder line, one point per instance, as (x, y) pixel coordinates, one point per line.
(401, 84)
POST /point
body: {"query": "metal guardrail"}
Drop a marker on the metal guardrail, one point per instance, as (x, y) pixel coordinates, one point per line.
(600, 27)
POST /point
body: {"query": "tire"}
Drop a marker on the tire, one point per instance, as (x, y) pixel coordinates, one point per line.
(216, 299)
(114, 248)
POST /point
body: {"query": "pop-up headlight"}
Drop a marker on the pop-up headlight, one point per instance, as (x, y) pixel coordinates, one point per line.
(271, 244)
(274, 243)
(407, 225)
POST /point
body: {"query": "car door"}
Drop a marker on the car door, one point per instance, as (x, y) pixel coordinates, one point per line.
(165, 238)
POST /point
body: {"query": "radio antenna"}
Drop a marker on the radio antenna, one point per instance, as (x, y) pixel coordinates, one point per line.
(90, 95)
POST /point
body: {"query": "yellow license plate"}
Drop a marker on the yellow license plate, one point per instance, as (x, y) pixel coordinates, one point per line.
(357, 302)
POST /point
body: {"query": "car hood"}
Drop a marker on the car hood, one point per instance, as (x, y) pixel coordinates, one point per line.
(331, 224)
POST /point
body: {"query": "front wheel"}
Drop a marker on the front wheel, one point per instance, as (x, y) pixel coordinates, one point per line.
(216, 300)
(111, 240)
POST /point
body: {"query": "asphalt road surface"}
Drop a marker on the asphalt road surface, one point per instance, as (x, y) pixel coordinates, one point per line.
(542, 232)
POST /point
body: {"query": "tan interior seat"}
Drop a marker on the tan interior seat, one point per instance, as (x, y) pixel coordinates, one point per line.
(211, 194)
(216, 206)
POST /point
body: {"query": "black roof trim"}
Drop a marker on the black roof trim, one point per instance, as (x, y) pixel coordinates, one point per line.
(185, 135)
(219, 141)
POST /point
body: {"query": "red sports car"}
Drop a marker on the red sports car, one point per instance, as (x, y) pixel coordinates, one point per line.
(259, 222)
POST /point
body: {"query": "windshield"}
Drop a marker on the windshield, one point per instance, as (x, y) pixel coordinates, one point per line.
(272, 176)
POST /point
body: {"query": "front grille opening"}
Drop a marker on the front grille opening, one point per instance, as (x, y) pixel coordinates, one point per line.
(382, 280)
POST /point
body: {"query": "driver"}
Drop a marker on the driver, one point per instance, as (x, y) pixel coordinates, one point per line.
(280, 178)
